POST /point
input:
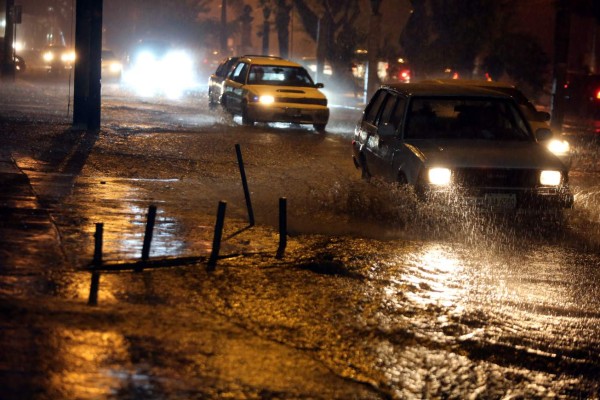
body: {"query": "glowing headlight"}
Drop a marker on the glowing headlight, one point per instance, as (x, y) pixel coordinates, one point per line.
(178, 61)
(144, 58)
(439, 176)
(68, 57)
(550, 178)
(266, 99)
(115, 67)
(48, 56)
(559, 147)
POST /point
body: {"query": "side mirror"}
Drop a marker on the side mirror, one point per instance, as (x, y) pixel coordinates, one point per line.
(386, 130)
(543, 116)
(319, 85)
(543, 134)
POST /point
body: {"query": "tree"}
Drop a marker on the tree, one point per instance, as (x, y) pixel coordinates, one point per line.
(520, 57)
(337, 19)
(440, 35)
(129, 21)
(282, 22)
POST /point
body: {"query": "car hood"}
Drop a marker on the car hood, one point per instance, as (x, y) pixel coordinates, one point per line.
(287, 91)
(485, 154)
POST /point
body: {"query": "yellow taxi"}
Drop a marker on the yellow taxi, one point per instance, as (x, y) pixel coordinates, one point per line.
(272, 89)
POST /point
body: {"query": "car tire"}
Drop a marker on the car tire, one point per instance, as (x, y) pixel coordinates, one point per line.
(364, 171)
(402, 179)
(246, 121)
(319, 127)
(211, 103)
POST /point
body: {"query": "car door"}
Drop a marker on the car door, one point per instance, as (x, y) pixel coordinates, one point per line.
(234, 88)
(387, 135)
(368, 129)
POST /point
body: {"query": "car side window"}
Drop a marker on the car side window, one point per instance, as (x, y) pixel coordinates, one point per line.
(220, 72)
(239, 74)
(398, 113)
(372, 110)
(393, 111)
(388, 109)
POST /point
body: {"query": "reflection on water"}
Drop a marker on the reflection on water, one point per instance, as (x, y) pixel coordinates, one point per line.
(89, 364)
(122, 209)
(436, 272)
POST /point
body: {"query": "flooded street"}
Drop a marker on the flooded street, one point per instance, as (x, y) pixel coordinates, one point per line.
(378, 296)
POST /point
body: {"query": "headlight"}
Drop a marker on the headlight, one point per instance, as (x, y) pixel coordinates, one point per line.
(48, 56)
(559, 147)
(550, 178)
(439, 176)
(68, 57)
(266, 99)
(144, 58)
(115, 67)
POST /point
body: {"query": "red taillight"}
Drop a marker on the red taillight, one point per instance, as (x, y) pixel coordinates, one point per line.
(597, 94)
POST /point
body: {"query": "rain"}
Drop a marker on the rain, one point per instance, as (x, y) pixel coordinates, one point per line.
(378, 295)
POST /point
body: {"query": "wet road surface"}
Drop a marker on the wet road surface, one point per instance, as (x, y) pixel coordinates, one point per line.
(377, 296)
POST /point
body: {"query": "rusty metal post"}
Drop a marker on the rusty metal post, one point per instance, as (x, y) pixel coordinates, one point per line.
(282, 227)
(148, 236)
(245, 185)
(214, 255)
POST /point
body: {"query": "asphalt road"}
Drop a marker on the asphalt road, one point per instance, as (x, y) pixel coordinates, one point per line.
(376, 295)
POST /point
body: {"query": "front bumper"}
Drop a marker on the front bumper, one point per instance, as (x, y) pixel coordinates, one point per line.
(292, 114)
(503, 199)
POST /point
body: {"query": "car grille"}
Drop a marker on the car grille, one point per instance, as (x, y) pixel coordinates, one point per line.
(301, 100)
(497, 178)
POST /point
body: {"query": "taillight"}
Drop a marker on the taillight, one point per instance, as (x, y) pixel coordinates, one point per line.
(597, 94)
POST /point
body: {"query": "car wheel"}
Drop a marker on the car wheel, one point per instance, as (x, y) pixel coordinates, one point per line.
(319, 128)
(364, 171)
(211, 102)
(402, 179)
(246, 121)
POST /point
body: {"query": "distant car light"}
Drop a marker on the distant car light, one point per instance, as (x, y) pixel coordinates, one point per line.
(48, 56)
(145, 57)
(550, 178)
(439, 176)
(266, 99)
(559, 147)
(115, 67)
(68, 57)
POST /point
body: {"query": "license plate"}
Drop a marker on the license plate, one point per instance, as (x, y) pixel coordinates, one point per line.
(504, 201)
(494, 201)
(293, 112)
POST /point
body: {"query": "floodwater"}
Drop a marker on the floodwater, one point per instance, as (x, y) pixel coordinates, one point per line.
(377, 296)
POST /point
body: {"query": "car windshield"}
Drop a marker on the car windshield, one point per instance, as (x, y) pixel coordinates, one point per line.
(280, 76)
(465, 118)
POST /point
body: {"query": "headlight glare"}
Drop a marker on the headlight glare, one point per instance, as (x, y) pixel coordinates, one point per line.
(115, 67)
(550, 178)
(439, 176)
(68, 57)
(48, 56)
(266, 99)
(559, 147)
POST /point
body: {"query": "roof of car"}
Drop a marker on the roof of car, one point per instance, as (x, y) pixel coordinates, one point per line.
(269, 60)
(441, 89)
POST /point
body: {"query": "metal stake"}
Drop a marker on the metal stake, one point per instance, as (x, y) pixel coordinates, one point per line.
(97, 263)
(214, 255)
(245, 185)
(148, 236)
(282, 227)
